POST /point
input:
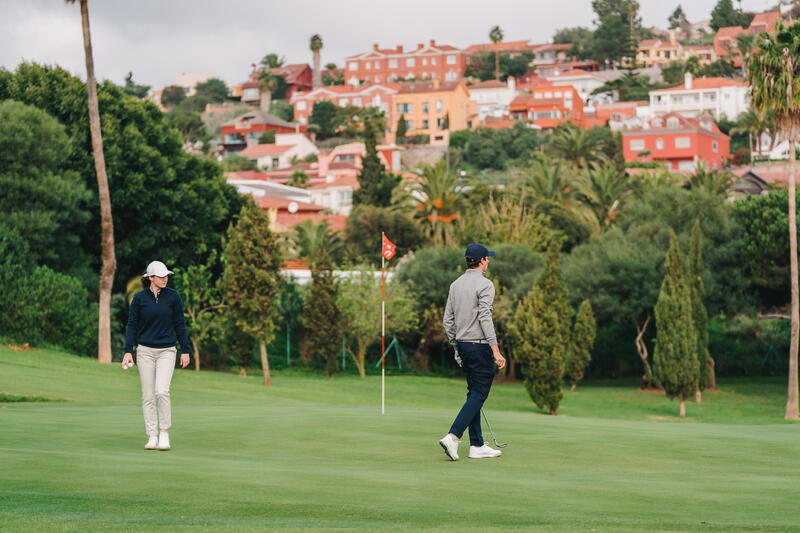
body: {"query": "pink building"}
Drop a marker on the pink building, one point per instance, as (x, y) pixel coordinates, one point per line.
(431, 61)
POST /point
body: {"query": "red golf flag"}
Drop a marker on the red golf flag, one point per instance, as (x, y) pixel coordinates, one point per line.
(388, 248)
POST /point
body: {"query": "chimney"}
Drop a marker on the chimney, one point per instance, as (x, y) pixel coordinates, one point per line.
(433, 42)
(420, 46)
(687, 80)
(399, 48)
(375, 47)
(323, 160)
(671, 36)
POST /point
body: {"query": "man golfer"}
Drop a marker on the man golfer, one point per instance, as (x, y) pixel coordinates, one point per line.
(469, 327)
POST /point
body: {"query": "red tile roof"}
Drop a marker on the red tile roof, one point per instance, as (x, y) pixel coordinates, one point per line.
(342, 181)
(246, 175)
(282, 204)
(489, 84)
(551, 47)
(767, 19)
(730, 31)
(265, 149)
(510, 45)
(649, 43)
(290, 72)
(705, 83)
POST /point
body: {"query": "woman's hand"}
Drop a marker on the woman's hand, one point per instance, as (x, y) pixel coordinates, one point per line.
(126, 360)
(184, 360)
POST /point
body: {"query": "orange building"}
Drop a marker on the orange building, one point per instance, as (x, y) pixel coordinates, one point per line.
(433, 108)
(432, 61)
(548, 106)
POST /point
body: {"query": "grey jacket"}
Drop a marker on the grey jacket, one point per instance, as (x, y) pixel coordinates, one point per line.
(468, 313)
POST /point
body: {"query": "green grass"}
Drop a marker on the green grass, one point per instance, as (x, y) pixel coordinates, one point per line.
(312, 454)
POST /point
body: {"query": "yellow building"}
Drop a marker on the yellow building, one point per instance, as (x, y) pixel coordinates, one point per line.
(432, 108)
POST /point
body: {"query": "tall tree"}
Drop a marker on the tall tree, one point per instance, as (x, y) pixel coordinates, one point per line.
(496, 35)
(699, 313)
(402, 129)
(678, 19)
(134, 89)
(437, 197)
(273, 61)
(541, 331)
(618, 26)
(252, 278)
(772, 72)
(375, 184)
(602, 190)
(580, 344)
(325, 118)
(106, 221)
(322, 316)
(314, 242)
(675, 355)
(172, 95)
(316, 45)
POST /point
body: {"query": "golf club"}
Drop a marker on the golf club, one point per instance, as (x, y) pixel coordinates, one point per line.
(498, 444)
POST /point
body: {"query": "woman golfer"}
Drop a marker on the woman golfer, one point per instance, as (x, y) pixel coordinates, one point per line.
(155, 323)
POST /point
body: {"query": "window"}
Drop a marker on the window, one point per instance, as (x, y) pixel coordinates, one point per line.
(250, 94)
(425, 124)
(405, 108)
(538, 115)
(440, 123)
(686, 165)
(424, 75)
(558, 94)
(659, 144)
(345, 197)
(343, 102)
(425, 108)
(658, 123)
(439, 106)
(367, 65)
(433, 61)
(683, 142)
(353, 66)
(366, 79)
(409, 125)
(392, 63)
(672, 122)
(357, 101)
(548, 94)
(346, 158)
(714, 146)
(451, 60)
(376, 101)
(275, 162)
(424, 61)
(377, 78)
(301, 105)
(410, 62)
(637, 145)
(451, 76)
(377, 65)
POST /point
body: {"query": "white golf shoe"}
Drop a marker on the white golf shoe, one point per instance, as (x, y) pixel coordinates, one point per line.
(483, 452)
(163, 441)
(450, 445)
(152, 443)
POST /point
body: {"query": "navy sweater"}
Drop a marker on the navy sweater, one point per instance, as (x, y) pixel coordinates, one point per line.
(156, 322)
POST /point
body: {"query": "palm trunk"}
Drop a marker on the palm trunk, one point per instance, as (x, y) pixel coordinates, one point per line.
(791, 401)
(266, 100)
(195, 347)
(264, 361)
(572, 389)
(698, 396)
(109, 261)
(683, 408)
(496, 65)
(360, 358)
(712, 378)
(316, 77)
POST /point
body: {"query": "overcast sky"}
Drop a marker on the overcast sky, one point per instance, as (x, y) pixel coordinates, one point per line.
(157, 40)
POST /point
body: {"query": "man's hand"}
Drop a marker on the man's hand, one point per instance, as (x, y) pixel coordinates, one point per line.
(184, 360)
(499, 360)
(126, 360)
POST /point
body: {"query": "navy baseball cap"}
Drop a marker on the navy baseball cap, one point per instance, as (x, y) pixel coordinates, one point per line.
(477, 251)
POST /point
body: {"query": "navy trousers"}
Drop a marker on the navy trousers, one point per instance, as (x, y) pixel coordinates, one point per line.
(478, 366)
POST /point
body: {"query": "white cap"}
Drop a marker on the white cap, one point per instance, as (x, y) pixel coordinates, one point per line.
(157, 268)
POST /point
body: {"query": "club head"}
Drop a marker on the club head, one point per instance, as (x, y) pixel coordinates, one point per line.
(501, 444)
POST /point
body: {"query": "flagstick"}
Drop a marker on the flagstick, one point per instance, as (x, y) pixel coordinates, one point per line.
(383, 326)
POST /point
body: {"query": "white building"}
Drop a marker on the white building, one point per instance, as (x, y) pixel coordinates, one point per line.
(335, 193)
(492, 97)
(280, 154)
(584, 82)
(717, 96)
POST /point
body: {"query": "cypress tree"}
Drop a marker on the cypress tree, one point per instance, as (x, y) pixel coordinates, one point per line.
(580, 344)
(541, 334)
(322, 316)
(699, 313)
(400, 134)
(252, 278)
(375, 185)
(675, 355)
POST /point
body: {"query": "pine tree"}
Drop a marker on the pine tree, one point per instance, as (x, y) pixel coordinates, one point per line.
(322, 316)
(541, 332)
(580, 344)
(699, 313)
(400, 134)
(375, 184)
(252, 279)
(675, 355)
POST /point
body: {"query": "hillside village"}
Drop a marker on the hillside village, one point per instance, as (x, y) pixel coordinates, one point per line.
(675, 99)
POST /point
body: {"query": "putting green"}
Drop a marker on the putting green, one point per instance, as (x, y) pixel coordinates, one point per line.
(310, 453)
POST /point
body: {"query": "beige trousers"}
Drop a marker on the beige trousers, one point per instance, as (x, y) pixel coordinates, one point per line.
(155, 371)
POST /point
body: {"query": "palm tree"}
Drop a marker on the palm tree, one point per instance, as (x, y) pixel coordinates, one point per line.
(601, 189)
(496, 35)
(578, 146)
(437, 196)
(109, 261)
(772, 72)
(754, 123)
(714, 182)
(268, 82)
(273, 61)
(316, 45)
(311, 241)
(546, 179)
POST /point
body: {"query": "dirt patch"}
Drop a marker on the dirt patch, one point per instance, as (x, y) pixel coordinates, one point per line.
(651, 391)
